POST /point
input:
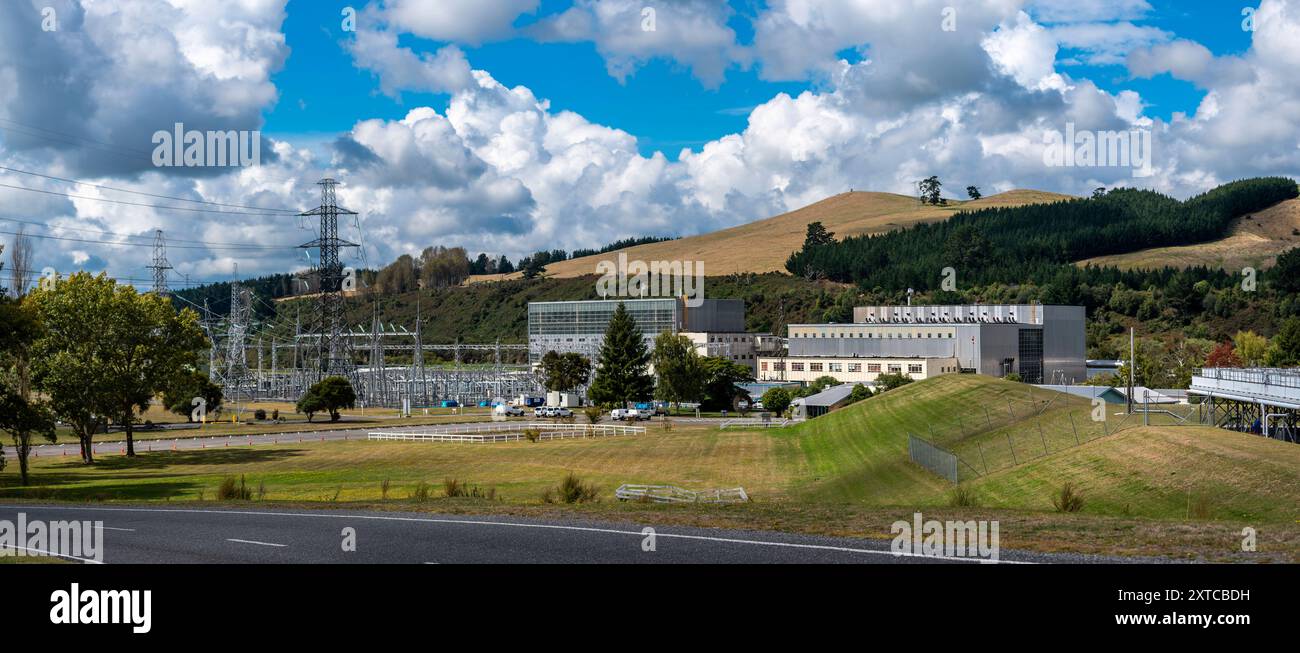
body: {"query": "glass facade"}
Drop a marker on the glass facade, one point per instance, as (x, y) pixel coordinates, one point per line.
(1031, 355)
(580, 326)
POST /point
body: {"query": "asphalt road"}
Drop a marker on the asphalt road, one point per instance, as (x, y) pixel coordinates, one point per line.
(149, 535)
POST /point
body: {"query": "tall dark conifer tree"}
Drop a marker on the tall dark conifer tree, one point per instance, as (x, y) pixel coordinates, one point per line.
(621, 374)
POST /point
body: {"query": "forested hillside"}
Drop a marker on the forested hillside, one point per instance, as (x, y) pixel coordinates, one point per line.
(1030, 243)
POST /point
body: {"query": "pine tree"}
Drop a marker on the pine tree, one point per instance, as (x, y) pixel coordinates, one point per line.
(621, 374)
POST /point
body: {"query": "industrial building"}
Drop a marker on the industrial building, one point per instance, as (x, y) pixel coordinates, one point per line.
(1042, 344)
(579, 326)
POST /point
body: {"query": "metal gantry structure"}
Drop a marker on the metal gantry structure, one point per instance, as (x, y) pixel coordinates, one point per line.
(331, 356)
(326, 347)
(160, 264)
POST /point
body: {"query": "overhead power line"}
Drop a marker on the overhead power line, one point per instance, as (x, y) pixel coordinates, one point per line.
(151, 206)
(249, 246)
(127, 244)
(137, 192)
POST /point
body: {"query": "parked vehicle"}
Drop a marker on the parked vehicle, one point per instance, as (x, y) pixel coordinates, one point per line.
(618, 414)
(449, 403)
(540, 411)
(508, 411)
(561, 411)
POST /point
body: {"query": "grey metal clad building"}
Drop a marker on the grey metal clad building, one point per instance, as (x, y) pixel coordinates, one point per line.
(579, 326)
(1044, 344)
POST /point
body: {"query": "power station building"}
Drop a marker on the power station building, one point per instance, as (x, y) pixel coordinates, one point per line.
(1043, 344)
(717, 327)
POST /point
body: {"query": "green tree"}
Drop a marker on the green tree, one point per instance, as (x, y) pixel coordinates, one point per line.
(677, 367)
(777, 400)
(930, 190)
(22, 416)
(886, 382)
(1285, 350)
(859, 393)
(720, 378)
(179, 395)
(1286, 273)
(331, 394)
(1251, 348)
(817, 235)
(564, 372)
(821, 383)
(973, 192)
(621, 374)
(107, 350)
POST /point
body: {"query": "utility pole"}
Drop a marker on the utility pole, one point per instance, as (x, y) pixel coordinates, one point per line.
(1132, 365)
(332, 347)
(160, 265)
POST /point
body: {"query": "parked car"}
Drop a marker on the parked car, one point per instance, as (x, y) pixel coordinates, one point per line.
(508, 411)
(618, 414)
(561, 411)
(541, 411)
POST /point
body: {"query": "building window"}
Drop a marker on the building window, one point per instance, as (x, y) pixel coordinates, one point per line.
(779, 366)
(814, 367)
(873, 367)
(855, 367)
(763, 366)
(895, 369)
(837, 367)
(914, 368)
(796, 367)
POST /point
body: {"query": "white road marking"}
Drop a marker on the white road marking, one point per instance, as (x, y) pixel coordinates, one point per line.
(111, 528)
(89, 561)
(231, 539)
(588, 529)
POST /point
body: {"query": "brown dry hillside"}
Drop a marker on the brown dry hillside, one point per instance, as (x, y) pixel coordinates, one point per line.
(1253, 241)
(764, 245)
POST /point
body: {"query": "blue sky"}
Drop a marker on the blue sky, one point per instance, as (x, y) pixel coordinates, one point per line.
(662, 104)
(510, 126)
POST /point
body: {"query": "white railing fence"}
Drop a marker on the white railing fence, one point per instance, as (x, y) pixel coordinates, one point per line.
(674, 494)
(506, 432)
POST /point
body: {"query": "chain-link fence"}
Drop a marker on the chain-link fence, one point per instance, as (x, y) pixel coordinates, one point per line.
(933, 458)
(1015, 429)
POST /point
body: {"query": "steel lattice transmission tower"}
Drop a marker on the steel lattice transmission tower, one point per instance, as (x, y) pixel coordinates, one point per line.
(332, 347)
(160, 264)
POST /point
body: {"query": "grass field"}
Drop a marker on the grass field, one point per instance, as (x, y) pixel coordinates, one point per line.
(1171, 485)
(764, 245)
(1252, 241)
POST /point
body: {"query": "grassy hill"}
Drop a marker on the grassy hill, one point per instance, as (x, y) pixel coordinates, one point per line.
(763, 245)
(1253, 240)
(859, 454)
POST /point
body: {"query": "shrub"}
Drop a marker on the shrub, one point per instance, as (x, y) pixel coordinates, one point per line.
(593, 414)
(532, 435)
(572, 490)
(261, 490)
(259, 415)
(454, 488)
(1067, 499)
(383, 489)
(1199, 507)
(230, 491)
(275, 414)
(962, 496)
(421, 492)
(668, 424)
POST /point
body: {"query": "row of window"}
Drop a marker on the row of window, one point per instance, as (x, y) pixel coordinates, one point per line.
(872, 368)
(870, 334)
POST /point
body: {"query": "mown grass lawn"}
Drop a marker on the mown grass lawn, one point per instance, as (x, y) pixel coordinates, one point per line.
(1197, 481)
